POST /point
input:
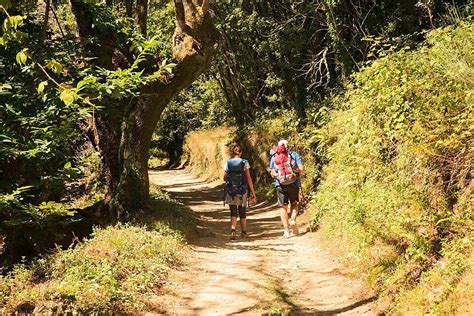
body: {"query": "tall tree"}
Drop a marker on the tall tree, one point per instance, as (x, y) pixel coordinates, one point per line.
(46, 17)
(123, 131)
(142, 15)
(129, 8)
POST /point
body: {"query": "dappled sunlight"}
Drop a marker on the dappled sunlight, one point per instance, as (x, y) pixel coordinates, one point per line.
(222, 276)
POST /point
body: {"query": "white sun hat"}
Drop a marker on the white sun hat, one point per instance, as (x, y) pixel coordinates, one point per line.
(283, 142)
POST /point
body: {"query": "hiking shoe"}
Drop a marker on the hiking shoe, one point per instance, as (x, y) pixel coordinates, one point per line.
(294, 230)
(293, 219)
(286, 233)
(243, 234)
(232, 235)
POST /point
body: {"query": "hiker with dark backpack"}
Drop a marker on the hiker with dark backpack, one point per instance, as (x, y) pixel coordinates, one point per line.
(286, 168)
(237, 177)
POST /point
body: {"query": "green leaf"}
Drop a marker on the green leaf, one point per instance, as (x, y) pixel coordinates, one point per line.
(19, 35)
(41, 86)
(7, 25)
(68, 96)
(22, 56)
(12, 22)
(87, 80)
(5, 86)
(55, 66)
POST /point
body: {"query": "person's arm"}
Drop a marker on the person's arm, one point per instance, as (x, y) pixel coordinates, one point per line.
(301, 169)
(250, 183)
(271, 167)
(299, 163)
(226, 169)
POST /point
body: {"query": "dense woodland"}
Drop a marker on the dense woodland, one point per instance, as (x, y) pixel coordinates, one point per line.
(377, 96)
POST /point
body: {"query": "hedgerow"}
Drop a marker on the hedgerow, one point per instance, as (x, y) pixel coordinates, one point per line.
(397, 191)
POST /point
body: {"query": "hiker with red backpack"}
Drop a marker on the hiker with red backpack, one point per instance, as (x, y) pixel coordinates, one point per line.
(286, 168)
(237, 177)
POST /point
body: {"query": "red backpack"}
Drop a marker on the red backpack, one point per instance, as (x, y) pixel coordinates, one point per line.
(283, 166)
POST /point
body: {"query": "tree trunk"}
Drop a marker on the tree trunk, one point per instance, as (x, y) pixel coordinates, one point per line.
(142, 15)
(107, 134)
(46, 17)
(124, 132)
(137, 129)
(129, 8)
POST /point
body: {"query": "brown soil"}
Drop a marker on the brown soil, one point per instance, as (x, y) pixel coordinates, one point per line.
(259, 274)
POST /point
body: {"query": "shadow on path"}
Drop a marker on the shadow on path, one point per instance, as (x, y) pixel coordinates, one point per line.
(206, 199)
(231, 277)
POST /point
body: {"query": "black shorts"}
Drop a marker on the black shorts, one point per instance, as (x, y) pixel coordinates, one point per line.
(288, 194)
(237, 210)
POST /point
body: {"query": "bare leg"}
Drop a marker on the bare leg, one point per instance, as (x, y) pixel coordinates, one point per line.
(284, 220)
(284, 216)
(294, 213)
(233, 222)
(243, 225)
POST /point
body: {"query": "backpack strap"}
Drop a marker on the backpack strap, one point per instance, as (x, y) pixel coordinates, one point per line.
(242, 170)
(290, 154)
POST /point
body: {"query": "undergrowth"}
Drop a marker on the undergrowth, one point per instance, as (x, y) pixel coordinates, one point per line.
(277, 299)
(114, 270)
(207, 150)
(397, 193)
(164, 211)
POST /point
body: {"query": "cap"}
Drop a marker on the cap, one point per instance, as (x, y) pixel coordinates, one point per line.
(283, 142)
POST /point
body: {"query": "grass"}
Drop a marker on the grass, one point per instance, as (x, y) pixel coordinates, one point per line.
(396, 195)
(207, 151)
(276, 301)
(113, 271)
(157, 162)
(164, 211)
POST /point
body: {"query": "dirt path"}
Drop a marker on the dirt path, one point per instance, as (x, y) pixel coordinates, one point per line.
(261, 273)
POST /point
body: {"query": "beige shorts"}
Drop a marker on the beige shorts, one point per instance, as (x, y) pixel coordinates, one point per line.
(236, 200)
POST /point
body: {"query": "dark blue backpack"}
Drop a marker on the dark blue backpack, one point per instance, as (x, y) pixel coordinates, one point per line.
(236, 182)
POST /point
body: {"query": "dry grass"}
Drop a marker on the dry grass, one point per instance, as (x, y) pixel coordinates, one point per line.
(277, 299)
(207, 151)
(464, 293)
(113, 271)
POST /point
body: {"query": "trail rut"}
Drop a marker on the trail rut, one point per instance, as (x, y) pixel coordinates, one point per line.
(258, 274)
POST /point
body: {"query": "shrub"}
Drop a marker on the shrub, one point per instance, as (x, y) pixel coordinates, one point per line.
(397, 191)
(207, 151)
(112, 271)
